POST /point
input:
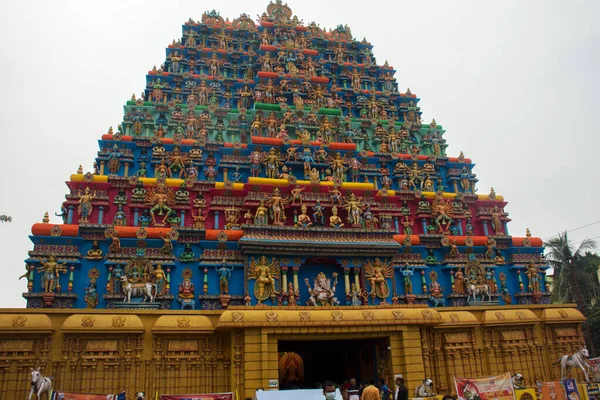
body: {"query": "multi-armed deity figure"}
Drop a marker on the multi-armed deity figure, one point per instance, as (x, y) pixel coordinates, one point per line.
(277, 204)
(322, 293)
(353, 206)
(264, 274)
(377, 273)
(159, 199)
(51, 270)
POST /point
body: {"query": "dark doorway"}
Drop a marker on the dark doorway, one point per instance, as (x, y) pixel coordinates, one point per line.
(335, 360)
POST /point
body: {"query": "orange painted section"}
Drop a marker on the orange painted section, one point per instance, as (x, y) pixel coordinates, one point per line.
(232, 236)
(271, 75)
(266, 24)
(230, 145)
(415, 240)
(342, 146)
(41, 229)
(130, 232)
(535, 241)
(279, 142)
(267, 47)
(319, 79)
(310, 52)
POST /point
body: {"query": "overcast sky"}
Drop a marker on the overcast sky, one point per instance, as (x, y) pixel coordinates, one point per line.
(514, 83)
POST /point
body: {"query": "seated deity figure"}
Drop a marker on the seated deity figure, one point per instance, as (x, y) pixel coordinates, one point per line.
(322, 293)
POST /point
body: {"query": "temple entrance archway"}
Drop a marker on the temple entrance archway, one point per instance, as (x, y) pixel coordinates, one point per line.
(335, 360)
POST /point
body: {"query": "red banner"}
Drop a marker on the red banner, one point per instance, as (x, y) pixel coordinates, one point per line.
(494, 387)
(212, 396)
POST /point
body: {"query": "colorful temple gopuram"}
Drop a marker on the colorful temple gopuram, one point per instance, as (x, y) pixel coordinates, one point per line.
(272, 211)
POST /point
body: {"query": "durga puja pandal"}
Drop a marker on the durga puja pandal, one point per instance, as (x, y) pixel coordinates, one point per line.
(271, 209)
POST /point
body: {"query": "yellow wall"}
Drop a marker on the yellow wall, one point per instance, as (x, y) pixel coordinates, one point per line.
(107, 351)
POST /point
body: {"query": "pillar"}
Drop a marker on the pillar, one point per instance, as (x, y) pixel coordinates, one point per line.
(506, 229)
(100, 214)
(217, 219)
(136, 213)
(347, 279)
(424, 222)
(70, 215)
(460, 228)
(284, 284)
(182, 222)
(397, 225)
(225, 177)
(295, 271)
(126, 172)
(455, 187)
(485, 228)
(357, 278)
(102, 163)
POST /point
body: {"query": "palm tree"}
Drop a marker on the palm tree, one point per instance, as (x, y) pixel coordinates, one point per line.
(563, 256)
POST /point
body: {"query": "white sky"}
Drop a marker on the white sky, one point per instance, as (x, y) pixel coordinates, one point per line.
(514, 83)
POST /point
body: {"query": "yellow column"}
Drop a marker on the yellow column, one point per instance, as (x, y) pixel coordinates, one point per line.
(102, 167)
(347, 279)
(284, 284)
(225, 175)
(357, 278)
(126, 173)
(296, 286)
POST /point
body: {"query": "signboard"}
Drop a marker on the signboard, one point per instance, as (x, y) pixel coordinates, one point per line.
(593, 390)
(571, 389)
(301, 394)
(57, 395)
(552, 391)
(491, 388)
(211, 396)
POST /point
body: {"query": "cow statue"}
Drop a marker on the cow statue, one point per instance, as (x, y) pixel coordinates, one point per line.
(137, 289)
(140, 396)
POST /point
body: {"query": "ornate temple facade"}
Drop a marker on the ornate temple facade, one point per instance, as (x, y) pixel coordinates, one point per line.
(269, 201)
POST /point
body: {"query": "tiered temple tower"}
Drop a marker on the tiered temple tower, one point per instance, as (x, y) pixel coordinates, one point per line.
(272, 177)
(278, 163)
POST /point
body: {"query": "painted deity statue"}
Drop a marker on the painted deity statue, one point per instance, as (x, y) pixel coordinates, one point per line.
(377, 273)
(160, 198)
(323, 292)
(51, 270)
(335, 221)
(277, 206)
(84, 210)
(260, 217)
(224, 276)
(264, 274)
(534, 277)
(353, 206)
(354, 295)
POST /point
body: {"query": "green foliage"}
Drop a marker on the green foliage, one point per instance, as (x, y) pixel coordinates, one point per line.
(576, 280)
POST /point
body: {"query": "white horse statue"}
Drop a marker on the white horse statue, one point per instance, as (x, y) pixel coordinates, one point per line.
(40, 384)
(138, 289)
(577, 360)
(474, 290)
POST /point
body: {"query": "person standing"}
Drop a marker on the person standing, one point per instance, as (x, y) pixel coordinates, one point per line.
(385, 391)
(329, 390)
(401, 392)
(353, 390)
(370, 393)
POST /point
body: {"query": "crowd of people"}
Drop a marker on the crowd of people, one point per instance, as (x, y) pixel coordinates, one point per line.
(351, 390)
